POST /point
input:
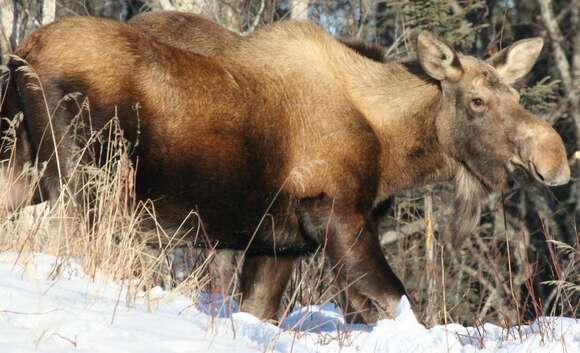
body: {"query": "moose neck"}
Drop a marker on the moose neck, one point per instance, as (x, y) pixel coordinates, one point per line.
(404, 110)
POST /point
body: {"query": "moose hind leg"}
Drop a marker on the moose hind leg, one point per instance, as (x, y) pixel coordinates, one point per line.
(48, 118)
(264, 280)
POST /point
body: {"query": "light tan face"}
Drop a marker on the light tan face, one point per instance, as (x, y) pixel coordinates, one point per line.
(490, 132)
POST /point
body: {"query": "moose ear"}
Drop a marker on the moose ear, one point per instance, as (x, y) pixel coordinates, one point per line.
(437, 58)
(516, 61)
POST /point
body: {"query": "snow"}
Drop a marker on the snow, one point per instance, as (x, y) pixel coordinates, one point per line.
(43, 311)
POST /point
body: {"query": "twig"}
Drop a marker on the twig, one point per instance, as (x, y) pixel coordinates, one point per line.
(24, 313)
(408, 229)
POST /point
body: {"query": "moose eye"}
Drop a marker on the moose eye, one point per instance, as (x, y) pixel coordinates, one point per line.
(477, 104)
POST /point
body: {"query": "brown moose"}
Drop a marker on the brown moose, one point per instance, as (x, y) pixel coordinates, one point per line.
(288, 139)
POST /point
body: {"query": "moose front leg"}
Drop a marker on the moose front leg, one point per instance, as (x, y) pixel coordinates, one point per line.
(353, 246)
(264, 280)
(357, 256)
(355, 305)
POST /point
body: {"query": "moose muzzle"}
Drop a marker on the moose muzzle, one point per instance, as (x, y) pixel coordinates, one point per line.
(542, 152)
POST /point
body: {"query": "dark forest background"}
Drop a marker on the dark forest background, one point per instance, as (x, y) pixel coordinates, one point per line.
(524, 259)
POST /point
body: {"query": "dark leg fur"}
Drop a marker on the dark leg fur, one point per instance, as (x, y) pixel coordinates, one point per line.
(48, 119)
(16, 153)
(264, 280)
(355, 252)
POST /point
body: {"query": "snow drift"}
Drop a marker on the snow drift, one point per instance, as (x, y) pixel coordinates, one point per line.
(48, 310)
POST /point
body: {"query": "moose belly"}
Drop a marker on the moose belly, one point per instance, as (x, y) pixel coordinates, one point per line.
(220, 191)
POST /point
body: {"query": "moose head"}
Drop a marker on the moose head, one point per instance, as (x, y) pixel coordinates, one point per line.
(483, 126)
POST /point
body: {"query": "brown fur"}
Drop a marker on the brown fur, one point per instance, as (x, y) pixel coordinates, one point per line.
(185, 31)
(288, 136)
(368, 50)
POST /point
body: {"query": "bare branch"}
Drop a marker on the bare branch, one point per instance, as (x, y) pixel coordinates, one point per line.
(573, 4)
(557, 40)
(257, 18)
(417, 226)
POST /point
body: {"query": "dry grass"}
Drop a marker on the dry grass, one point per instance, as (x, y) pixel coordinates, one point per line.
(491, 276)
(100, 223)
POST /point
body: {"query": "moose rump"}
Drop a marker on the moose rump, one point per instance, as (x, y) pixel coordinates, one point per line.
(185, 113)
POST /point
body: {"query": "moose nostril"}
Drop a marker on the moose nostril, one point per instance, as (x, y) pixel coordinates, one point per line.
(535, 172)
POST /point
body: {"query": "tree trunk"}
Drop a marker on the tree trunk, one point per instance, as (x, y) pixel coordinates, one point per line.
(299, 9)
(193, 6)
(48, 11)
(6, 29)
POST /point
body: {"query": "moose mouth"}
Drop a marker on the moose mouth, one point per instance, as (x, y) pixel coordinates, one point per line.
(529, 169)
(534, 172)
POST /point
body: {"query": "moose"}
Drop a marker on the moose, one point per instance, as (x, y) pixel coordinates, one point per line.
(287, 140)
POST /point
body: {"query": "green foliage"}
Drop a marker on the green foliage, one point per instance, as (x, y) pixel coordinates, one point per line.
(542, 97)
(442, 19)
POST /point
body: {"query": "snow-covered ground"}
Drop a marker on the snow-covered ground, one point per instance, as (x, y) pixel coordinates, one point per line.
(75, 313)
